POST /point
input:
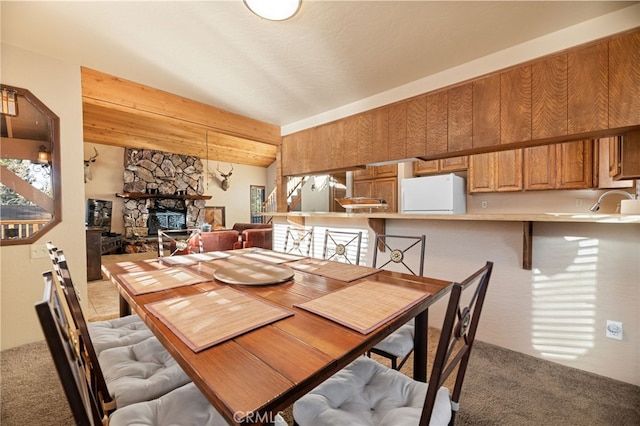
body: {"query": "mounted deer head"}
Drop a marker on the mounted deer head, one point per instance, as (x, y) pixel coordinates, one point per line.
(87, 165)
(224, 183)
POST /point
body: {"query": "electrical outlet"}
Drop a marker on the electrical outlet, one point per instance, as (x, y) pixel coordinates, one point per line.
(579, 202)
(483, 204)
(614, 330)
(38, 251)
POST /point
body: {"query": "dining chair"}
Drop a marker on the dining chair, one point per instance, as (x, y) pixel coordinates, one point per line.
(179, 241)
(122, 375)
(366, 392)
(185, 405)
(298, 240)
(104, 334)
(399, 344)
(342, 246)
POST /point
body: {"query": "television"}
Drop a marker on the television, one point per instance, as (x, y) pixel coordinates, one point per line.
(98, 215)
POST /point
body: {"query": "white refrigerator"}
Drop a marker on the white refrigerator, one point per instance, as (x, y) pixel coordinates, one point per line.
(441, 194)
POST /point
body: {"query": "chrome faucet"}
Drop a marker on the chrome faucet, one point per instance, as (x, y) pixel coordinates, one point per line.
(596, 206)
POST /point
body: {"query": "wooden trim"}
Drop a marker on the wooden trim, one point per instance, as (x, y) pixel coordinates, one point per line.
(527, 245)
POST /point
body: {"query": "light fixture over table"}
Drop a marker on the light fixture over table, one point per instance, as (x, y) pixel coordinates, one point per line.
(274, 10)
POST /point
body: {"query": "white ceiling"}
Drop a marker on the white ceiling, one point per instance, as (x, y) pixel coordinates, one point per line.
(331, 54)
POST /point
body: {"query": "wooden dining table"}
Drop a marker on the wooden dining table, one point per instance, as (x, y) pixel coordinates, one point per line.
(253, 375)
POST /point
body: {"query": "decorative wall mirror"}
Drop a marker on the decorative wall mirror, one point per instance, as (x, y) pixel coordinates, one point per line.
(29, 167)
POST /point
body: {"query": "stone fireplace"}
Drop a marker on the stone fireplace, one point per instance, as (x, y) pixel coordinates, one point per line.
(163, 191)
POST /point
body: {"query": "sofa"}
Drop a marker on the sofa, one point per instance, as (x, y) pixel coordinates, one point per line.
(227, 239)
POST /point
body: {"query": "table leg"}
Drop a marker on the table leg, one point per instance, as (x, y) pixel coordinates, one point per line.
(420, 347)
(125, 309)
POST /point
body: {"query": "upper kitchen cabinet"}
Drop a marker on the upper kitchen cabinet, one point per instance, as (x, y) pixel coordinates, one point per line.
(486, 111)
(588, 89)
(373, 136)
(437, 117)
(397, 114)
(416, 144)
(624, 80)
(515, 105)
(549, 97)
(350, 141)
(460, 118)
(376, 172)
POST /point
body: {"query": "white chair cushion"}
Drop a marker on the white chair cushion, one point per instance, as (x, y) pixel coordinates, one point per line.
(400, 342)
(116, 332)
(140, 372)
(368, 393)
(185, 406)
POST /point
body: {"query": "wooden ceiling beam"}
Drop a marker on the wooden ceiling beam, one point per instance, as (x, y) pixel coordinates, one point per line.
(122, 93)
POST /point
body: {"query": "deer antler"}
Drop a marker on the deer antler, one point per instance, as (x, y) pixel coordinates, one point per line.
(93, 157)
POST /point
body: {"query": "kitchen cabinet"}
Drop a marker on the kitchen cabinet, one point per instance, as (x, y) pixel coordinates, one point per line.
(588, 89)
(549, 97)
(445, 165)
(624, 80)
(581, 92)
(624, 156)
(561, 166)
(385, 188)
(495, 172)
(376, 172)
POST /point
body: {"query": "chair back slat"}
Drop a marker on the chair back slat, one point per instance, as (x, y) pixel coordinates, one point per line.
(457, 337)
(341, 244)
(59, 335)
(183, 241)
(396, 248)
(71, 296)
(298, 241)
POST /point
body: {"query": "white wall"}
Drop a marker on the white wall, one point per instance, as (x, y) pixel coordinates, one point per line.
(57, 85)
(583, 274)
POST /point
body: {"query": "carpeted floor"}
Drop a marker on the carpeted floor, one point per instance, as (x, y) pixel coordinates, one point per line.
(502, 387)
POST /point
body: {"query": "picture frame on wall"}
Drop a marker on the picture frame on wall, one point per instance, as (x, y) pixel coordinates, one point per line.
(215, 216)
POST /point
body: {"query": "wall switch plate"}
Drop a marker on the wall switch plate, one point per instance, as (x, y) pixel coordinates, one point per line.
(38, 251)
(614, 329)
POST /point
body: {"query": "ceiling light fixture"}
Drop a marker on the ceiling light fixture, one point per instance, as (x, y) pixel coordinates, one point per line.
(274, 10)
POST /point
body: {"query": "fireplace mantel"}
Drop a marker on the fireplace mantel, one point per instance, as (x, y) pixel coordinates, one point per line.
(139, 195)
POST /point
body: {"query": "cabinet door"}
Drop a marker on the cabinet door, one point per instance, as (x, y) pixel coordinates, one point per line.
(588, 89)
(515, 105)
(389, 170)
(380, 136)
(574, 165)
(454, 164)
(481, 173)
(387, 189)
(398, 131)
(624, 80)
(539, 167)
(630, 156)
(508, 170)
(416, 127)
(421, 167)
(363, 188)
(364, 174)
(350, 142)
(365, 135)
(486, 112)
(437, 113)
(549, 97)
(460, 115)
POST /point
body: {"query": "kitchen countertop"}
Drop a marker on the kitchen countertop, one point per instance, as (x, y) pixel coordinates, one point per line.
(496, 217)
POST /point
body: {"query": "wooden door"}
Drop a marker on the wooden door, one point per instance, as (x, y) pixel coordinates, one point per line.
(481, 173)
(363, 188)
(486, 111)
(421, 167)
(437, 113)
(398, 130)
(508, 175)
(460, 117)
(515, 105)
(416, 144)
